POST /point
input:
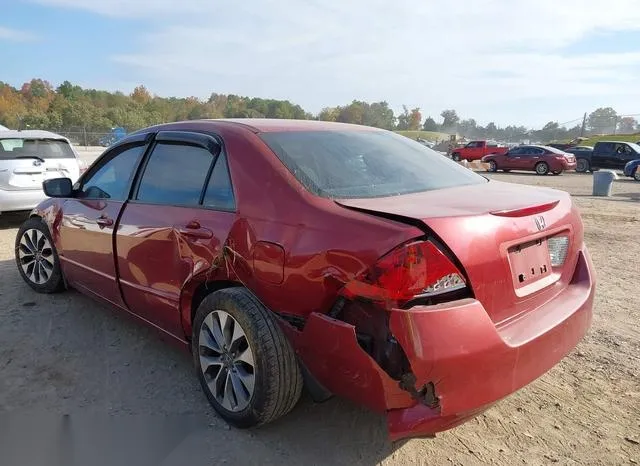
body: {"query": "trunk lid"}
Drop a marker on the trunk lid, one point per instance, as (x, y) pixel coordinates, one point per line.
(498, 231)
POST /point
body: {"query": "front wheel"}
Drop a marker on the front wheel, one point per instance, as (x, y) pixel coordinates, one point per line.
(37, 258)
(542, 168)
(455, 157)
(493, 166)
(244, 362)
(636, 174)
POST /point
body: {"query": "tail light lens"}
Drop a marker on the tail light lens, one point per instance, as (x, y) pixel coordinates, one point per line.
(558, 248)
(414, 270)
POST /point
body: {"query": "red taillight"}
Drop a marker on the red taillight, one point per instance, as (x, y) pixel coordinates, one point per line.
(416, 269)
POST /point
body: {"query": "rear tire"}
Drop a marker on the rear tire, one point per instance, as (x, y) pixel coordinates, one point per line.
(542, 168)
(582, 166)
(493, 166)
(252, 375)
(37, 258)
(455, 157)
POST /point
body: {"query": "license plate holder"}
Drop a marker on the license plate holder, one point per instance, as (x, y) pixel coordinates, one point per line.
(530, 262)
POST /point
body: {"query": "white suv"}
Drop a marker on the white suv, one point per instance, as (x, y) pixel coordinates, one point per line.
(27, 158)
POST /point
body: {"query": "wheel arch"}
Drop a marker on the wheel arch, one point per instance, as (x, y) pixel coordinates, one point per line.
(194, 293)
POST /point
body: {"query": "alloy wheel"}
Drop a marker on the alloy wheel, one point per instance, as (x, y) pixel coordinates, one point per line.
(36, 256)
(226, 361)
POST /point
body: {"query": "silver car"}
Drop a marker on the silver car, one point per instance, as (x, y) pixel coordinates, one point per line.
(27, 158)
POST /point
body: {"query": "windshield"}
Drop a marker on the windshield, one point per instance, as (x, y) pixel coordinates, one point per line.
(365, 164)
(13, 148)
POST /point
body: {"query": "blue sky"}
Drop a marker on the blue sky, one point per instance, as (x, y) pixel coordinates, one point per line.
(509, 61)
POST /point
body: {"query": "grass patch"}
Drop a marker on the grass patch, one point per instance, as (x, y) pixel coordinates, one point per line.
(427, 135)
(612, 137)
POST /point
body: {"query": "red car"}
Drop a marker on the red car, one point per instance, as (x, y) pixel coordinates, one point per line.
(349, 259)
(541, 159)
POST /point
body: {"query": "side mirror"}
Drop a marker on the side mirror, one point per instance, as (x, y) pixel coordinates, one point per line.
(58, 187)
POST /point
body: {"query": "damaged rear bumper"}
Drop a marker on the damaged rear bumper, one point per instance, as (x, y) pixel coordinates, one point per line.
(456, 349)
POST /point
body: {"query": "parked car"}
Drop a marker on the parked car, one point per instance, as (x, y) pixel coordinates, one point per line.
(583, 157)
(352, 259)
(27, 158)
(475, 150)
(613, 154)
(540, 159)
(632, 169)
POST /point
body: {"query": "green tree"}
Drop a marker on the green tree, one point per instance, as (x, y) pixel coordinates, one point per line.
(451, 119)
(430, 124)
(602, 120)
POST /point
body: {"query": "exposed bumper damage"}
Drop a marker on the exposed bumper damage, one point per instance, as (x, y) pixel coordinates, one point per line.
(457, 361)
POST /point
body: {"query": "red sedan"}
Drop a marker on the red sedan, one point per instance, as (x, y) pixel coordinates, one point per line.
(349, 259)
(540, 159)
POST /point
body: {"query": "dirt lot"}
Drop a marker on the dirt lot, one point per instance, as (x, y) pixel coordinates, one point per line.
(66, 354)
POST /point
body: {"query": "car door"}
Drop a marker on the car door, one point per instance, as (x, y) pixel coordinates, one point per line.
(534, 155)
(520, 160)
(509, 161)
(89, 219)
(175, 225)
(628, 154)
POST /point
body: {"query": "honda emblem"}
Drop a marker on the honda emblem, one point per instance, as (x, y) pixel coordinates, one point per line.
(540, 223)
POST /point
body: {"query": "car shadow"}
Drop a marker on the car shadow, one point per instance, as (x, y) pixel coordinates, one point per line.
(66, 353)
(10, 220)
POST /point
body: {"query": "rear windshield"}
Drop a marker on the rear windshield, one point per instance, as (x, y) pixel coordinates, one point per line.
(365, 164)
(43, 148)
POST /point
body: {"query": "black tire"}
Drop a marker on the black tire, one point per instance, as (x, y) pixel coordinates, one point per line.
(582, 165)
(43, 272)
(455, 157)
(277, 377)
(542, 168)
(636, 174)
(493, 166)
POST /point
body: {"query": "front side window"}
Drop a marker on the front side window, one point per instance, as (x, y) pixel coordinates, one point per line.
(15, 148)
(111, 180)
(365, 164)
(175, 175)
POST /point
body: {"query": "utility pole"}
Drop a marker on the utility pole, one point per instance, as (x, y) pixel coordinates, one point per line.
(584, 125)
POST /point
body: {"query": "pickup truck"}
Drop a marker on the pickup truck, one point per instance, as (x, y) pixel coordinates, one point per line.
(475, 150)
(613, 154)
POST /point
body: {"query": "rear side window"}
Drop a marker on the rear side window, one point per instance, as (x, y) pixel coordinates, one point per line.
(12, 148)
(605, 147)
(219, 194)
(175, 175)
(365, 164)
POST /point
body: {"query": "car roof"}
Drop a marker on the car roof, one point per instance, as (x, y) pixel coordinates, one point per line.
(31, 134)
(615, 142)
(266, 125)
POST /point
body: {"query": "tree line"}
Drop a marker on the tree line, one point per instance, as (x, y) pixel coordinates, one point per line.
(69, 107)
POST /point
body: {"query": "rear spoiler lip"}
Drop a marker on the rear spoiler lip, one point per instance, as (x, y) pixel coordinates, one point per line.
(525, 211)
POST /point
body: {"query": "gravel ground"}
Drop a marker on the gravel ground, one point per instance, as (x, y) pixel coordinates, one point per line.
(65, 354)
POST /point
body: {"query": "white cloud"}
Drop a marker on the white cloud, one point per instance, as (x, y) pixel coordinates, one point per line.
(15, 35)
(481, 56)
